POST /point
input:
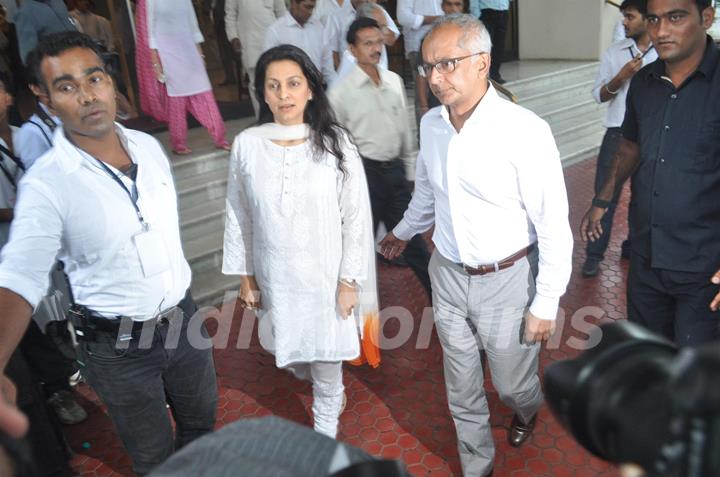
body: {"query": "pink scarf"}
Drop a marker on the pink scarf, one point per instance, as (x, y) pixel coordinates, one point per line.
(153, 95)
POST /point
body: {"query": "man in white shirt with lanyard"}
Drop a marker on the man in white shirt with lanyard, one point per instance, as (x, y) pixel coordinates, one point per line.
(300, 28)
(35, 135)
(488, 176)
(617, 67)
(103, 202)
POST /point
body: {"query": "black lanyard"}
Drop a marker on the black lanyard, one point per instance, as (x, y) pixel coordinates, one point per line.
(127, 191)
(45, 117)
(9, 175)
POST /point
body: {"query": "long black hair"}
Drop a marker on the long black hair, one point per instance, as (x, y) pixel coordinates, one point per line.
(326, 134)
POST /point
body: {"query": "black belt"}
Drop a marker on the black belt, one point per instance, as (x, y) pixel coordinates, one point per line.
(381, 164)
(88, 324)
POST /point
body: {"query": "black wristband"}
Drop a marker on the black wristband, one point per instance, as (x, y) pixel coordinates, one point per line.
(603, 204)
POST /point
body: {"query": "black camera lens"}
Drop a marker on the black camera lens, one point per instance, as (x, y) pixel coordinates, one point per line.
(613, 398)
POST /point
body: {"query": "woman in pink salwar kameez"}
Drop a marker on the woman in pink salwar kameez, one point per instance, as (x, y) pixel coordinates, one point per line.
(171, 71)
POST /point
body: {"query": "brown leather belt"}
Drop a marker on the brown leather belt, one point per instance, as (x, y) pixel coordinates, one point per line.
(506, 262)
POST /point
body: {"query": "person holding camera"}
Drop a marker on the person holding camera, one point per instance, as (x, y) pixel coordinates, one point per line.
(671, 149)
(103, 202)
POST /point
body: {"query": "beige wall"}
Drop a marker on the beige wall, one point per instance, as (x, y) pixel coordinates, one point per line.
(565, 29)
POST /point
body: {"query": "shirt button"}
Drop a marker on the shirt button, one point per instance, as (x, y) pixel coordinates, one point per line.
(662, 160)
(656, 193)
(667, 128)
(673, 96)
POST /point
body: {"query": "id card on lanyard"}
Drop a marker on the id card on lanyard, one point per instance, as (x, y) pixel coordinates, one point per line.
(149, 243)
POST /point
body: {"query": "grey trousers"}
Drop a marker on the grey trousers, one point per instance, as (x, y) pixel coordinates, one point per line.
(484, 312)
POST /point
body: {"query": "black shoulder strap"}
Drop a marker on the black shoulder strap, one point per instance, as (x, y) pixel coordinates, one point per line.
(42, 130)
(12, 157)
(45, 117)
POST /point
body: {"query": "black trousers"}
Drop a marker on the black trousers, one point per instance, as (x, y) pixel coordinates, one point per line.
(46, 361)
(227, 57)
(496, 23)
(389, 198)
(671, 303)
(608, 148)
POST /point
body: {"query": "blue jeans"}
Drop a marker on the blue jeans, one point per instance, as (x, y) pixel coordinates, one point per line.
(608, 148)
(135, 384)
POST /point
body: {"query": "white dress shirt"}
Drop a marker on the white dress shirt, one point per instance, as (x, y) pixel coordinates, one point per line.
(410, 14)
(307, 37)
(248, 20)
(376, 116)
(34, 138)
(491, 190)
(337, 26)
(70, 208)
(325, 8)
(611, 63)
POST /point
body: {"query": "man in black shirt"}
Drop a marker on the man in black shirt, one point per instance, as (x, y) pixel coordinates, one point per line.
(671, 147)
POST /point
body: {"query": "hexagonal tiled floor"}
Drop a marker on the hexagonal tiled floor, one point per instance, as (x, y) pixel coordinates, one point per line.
(399, 410)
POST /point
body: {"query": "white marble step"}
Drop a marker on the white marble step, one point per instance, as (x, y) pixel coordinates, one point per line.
(209, 287)
(549, 81)
(196, 190)
(202, 219)
(576, 91)
(581, 148)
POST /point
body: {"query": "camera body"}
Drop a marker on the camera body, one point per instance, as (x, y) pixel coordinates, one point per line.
(636, 398)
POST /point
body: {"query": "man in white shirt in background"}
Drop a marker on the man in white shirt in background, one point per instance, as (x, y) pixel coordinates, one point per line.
(503, 241)
(246, 22)
(495, 15)
(325, 8)
(36, 134)
(377, 13)
(416, 16)
(300, 28)
(337, 26)
(617, 67)
(370, 103)
(103, 202)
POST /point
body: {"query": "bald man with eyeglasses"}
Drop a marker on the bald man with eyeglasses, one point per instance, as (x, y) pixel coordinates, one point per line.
(488, 177)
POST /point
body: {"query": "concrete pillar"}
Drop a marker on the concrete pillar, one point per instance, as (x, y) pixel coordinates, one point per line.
(565, 29)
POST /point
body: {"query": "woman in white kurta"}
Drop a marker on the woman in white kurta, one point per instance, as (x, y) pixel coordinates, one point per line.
(177, 60)
(298, 229)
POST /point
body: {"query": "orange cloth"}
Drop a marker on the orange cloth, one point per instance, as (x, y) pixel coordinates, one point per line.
(370, 343)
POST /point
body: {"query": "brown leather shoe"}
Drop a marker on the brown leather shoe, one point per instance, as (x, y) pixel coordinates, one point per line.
(519, 432)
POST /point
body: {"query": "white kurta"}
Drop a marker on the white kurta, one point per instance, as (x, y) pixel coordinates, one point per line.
(174, 32)
(298, 225)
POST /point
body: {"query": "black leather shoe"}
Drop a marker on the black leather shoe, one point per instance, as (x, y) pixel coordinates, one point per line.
(591, 267)
(519, 432)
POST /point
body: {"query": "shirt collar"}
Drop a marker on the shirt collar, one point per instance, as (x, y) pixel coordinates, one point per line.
(488, 101)
(292, 22)
(706, 68)
(69, 156)
(360, 78)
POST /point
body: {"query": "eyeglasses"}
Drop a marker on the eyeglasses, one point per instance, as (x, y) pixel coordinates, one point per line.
(443, 67)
